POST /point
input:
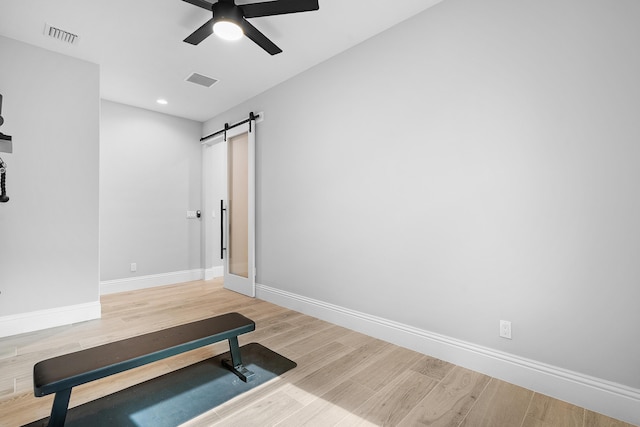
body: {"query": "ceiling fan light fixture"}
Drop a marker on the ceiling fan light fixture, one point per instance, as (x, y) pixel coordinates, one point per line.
(229, 21)
(227, 30)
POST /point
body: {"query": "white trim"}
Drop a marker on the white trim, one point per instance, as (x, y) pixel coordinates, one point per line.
(214, 272)
(49, 318)
(608, 398)
(150, 281)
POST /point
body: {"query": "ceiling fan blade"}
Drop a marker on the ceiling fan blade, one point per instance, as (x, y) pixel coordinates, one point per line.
(258, 38)
(200, 3)
(278, 7)
(201, 33)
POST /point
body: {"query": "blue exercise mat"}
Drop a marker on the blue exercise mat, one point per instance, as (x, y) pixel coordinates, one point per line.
(179, 396)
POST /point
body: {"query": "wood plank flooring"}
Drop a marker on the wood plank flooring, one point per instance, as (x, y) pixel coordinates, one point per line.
(343, 378)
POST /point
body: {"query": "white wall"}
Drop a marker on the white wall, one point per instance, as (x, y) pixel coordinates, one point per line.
(150, 176)
(49, 228)
(478, 162)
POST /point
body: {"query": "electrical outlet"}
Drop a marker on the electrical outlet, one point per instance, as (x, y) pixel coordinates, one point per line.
(134, 267)
(505, 329)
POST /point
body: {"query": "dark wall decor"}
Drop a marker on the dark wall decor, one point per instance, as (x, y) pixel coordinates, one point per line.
(6, 146)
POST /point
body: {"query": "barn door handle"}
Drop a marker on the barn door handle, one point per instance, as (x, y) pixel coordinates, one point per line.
(222, 211)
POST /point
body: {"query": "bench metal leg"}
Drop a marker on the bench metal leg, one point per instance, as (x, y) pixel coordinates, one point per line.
(235, 364)
(59, 409)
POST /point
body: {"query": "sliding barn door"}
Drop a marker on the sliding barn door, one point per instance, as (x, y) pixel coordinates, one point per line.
(238, 221)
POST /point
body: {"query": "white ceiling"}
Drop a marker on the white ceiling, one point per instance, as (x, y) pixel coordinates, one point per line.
(138, 45)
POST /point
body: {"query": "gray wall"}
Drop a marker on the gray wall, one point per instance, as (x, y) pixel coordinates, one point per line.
(49, 228)
(150, 175)
(478, 162)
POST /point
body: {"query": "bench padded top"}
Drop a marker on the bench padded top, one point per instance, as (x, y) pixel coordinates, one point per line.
(70, 370)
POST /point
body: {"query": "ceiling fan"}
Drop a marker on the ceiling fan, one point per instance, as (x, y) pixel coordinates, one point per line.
(229, 19)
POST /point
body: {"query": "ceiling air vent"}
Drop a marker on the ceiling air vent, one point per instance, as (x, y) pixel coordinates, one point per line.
(201, 80)
(60, 34)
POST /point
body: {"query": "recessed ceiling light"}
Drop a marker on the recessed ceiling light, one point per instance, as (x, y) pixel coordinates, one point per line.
(162, 101)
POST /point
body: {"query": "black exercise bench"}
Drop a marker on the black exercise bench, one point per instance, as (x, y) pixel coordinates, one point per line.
(60, 374)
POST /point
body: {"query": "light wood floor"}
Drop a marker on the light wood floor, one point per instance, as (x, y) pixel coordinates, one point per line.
(343, 378)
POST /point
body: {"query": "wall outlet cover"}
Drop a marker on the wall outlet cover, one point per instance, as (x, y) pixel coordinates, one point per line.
(505, 329)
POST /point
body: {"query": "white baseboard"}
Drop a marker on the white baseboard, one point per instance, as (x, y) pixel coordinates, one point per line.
(608, 398)
(214, 272)
(150, 281)
(50, 318)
